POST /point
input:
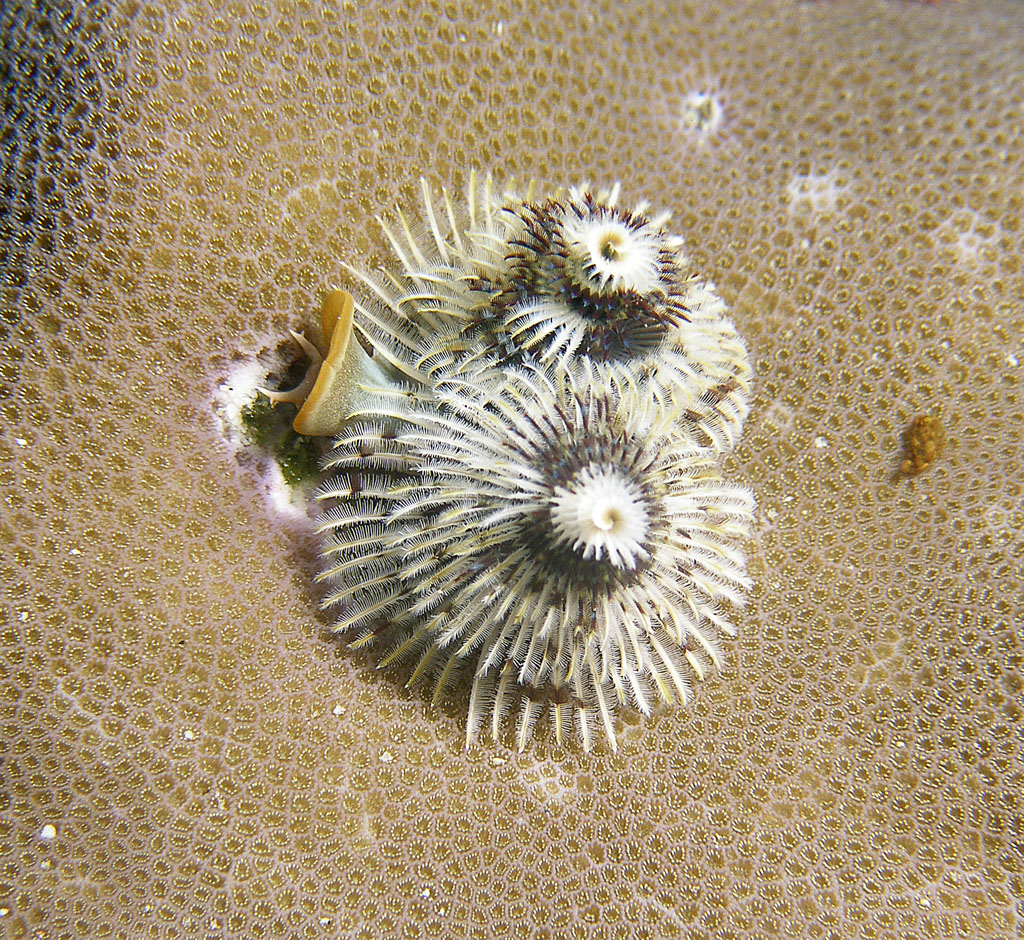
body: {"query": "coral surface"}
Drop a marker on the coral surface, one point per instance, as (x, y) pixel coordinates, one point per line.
(185, 751)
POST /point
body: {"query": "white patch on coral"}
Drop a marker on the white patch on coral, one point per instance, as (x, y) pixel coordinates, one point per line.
(958, 884)
(547, 784)
(282, 498)
(702, 114)
(234, 393)
(814, 193)
(231, 395)
(715, 106)
(308, 201)
(1002, 521)
(702, 104)
(777, 418)
(967, 239)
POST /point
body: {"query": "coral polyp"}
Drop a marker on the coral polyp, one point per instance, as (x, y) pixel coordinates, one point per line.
(570, 546)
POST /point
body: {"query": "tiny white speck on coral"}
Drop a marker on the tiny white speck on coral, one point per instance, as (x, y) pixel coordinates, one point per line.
(815, 193)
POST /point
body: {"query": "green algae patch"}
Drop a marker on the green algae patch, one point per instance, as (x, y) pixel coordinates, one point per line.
(268, 426)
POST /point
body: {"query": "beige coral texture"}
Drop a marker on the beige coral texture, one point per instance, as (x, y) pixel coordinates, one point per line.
(184, 749)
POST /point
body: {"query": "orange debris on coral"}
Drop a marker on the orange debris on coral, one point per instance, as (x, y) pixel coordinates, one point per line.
(923, 440)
